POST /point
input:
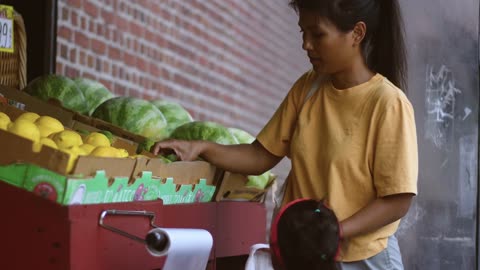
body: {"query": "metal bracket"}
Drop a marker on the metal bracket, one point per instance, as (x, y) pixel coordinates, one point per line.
(105, 213)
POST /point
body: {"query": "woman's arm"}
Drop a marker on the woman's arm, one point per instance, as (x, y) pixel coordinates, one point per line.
(250, 159)
(377, 214)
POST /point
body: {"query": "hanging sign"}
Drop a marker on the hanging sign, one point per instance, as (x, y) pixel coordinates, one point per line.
(6, 28)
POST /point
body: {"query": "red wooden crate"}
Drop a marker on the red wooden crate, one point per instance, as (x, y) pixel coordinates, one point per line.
(40, 234)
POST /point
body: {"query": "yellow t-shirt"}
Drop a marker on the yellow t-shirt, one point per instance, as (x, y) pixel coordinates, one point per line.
(347, 146)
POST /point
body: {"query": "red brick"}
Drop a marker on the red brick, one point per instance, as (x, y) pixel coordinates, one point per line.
(82, 40)
(141, 64)
(119, 89)
(63, 51)
(73, 55)
(107, 83)
(90, 61)
(107, 16)
(75, 3)
(91, 9)
(129, 59)
(89, 75)
(72, 72)
(83, 58)
(59, 68)
(114, 53)
(98, 46)
(74, 18)
(64, 32)
(65, 14)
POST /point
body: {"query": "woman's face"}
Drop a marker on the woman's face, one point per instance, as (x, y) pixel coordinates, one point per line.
(330, 51)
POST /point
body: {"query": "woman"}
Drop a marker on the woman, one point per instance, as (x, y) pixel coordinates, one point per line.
(352, 140)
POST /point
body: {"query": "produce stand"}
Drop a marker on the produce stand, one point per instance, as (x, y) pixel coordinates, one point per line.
(46, 226)
(41, 234)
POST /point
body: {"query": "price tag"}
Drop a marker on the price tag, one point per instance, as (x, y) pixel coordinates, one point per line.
(6, 28)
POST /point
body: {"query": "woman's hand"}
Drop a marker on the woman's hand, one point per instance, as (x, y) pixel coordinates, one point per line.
(185, 150)
(248, 159)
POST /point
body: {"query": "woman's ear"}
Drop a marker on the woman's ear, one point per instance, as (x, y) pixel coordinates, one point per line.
(359, 31)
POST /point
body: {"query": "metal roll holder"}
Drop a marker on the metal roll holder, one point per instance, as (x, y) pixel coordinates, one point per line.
(156, 241)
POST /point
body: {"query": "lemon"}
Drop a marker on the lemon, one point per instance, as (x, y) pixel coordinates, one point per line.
(48, 125)
(87, 148)
(97, 139)
(74, 152)
(4, 121)
(104, 151)
(24, 128)
(29, 116)
(122, 153)
(49, 142)
(67, 139)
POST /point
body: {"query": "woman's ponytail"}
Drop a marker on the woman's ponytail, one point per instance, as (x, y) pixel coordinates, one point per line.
(388, 53)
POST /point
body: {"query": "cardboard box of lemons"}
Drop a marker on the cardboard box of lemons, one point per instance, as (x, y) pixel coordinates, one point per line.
(24, 128)
(97, 139)
(4, 121)
(108, 151)
(48, 125)
(66, 139)
(29, 116)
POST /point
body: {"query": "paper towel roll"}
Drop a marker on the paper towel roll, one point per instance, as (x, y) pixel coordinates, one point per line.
(186, 249)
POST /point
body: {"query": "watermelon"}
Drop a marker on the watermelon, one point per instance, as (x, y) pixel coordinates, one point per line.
(60, 89)
(204, 130)
(241, 135)
(135, 115)
(95, 93)
(174, 113)
(256, 181)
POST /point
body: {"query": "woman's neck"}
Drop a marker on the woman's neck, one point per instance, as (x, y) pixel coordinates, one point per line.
(355, 75)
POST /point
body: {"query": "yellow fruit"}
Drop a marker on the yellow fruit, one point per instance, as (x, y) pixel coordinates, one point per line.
(87, 148)
(97, 139)
(29, 116)
(4, 121)
(67, 139)
(25, 128)
(49, 142)
(74, 152)
(104, 151)
(122, 153)
(48, 125)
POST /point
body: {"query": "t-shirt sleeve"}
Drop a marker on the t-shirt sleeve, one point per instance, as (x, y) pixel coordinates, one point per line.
(395, 164)
(276, 135)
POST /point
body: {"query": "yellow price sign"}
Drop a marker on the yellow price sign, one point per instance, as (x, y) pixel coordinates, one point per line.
(6, 28)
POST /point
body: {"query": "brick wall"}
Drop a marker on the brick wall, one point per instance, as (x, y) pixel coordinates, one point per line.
(229, 61)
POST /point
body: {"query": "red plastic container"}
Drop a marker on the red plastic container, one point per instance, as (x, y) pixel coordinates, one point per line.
(40, 234)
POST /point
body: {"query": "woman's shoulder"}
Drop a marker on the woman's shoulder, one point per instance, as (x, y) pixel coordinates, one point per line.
(387, 93)
(302, 85)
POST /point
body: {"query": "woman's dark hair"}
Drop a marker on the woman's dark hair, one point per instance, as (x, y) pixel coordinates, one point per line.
(307, 237)
(383, 45)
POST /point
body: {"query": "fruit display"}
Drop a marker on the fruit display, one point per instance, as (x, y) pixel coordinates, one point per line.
(174, 114)
(46, 130)
(135, 115)
(154, 120)
(59, 89)
(256, 181)
(204, 130)
(95, 93)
